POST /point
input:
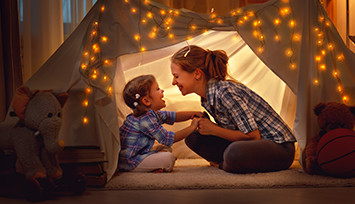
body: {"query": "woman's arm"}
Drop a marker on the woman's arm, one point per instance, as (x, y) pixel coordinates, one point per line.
(207, 127)
(186, 115)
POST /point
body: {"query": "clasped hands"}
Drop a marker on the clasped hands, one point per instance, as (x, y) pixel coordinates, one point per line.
(203, 123)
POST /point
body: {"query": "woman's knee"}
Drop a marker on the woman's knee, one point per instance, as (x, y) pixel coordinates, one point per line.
(191, 140)
(235, 158)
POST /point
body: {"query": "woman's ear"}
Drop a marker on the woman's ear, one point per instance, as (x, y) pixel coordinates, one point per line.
(146, 101)
(198, 74)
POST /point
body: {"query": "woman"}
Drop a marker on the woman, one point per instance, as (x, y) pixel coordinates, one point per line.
(248, 136)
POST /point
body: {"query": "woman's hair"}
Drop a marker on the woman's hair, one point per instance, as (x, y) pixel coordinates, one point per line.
(212, 63)
(135, 90)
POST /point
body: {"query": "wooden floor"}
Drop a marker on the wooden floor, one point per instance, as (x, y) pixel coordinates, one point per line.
(265, 196)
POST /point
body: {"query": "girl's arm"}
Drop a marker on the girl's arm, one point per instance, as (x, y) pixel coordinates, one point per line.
(186, 115)
(207, 127)
(181, 134)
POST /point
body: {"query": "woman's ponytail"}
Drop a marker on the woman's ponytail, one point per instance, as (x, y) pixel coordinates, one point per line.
(212, 63)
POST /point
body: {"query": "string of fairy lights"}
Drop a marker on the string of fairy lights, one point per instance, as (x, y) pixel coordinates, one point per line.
(95, 69)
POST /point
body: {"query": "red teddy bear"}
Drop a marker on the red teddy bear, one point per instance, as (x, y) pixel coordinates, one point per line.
(334, 119)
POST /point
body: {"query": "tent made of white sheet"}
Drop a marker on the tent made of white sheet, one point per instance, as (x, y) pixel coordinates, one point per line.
(106, 50)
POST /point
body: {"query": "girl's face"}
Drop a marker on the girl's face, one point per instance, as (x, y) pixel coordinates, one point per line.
(184, 80)
(156, 97)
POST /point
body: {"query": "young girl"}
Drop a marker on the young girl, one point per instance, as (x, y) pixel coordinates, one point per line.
(248, 136)
(140, 129)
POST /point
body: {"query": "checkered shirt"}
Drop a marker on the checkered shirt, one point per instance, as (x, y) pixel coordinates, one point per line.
(235, 106)
(137, 135)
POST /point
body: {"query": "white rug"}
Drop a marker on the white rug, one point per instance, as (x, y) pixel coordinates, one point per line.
(197, 174)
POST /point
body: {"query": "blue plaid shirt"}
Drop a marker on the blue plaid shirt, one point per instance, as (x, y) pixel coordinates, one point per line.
(235, 106)
(137, 135)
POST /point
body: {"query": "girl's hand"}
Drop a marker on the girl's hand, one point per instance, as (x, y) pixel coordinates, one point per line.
(206, 127)
(194, 123)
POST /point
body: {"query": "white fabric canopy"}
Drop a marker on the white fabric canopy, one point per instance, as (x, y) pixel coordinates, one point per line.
(114, 33)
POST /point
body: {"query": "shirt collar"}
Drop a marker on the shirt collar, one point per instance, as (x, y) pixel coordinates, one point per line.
(210, 92)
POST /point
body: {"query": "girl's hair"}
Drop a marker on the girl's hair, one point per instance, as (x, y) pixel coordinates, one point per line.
(212, 63)
(135, 90)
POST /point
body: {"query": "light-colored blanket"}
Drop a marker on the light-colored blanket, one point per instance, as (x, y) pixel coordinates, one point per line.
(198, 174)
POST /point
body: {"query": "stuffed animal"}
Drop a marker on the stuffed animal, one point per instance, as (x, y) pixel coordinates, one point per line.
(336, 122)
(32, 135)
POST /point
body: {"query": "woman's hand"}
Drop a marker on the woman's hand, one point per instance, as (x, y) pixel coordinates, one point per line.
(206, 127)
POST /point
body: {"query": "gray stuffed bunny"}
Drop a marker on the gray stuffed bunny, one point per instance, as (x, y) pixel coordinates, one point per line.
(34, 135)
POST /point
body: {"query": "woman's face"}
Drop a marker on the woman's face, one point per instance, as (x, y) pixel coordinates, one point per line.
(184, 80)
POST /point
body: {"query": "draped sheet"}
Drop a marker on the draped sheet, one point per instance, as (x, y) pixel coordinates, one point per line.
(291, 92)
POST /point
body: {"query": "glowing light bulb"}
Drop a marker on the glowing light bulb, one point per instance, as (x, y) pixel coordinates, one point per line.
(104, 39)
(142, 49)
(296, 37)
(94, 76)
(137, 37)
(317, 58)
(88, 90)
(323, 52)
(340, 88)
(162, 12)
(152, 34)
(256, 33)
(106, 62)
(193, 27)
(83, 66)
(95, 47)
(346, 99)
(289, 52)
(102, 8)
(260, 49)
(284, 11)
(330, 46)
(86, 53)
(335, 73)
(315, 82)
(321, 18)
(85, 120)
(86, 103)
(149, 15)
(109, 89)
(322, 67)
(105, 78)
(133, 10)
(292, 23)
(171, 35)
(340, 57)
(277, 21)
(293, 66)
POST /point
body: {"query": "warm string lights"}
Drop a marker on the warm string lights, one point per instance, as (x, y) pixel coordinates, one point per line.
(157, 23)
(93, 67)
(327, 57)
(284, 15)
